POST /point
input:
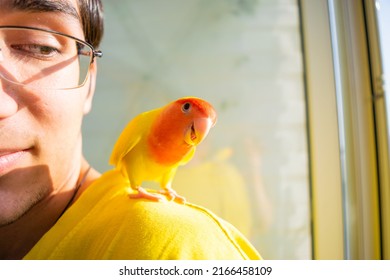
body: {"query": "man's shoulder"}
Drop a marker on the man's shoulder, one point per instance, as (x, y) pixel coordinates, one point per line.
(105, 223)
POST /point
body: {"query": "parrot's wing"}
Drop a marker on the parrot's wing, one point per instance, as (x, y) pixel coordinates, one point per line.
(131, 135)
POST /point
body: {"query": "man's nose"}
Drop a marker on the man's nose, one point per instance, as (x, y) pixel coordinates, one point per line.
(8, 105)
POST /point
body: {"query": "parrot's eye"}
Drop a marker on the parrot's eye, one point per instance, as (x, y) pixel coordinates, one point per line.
(186, 107)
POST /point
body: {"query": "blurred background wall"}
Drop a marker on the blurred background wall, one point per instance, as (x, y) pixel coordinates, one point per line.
(245, 57)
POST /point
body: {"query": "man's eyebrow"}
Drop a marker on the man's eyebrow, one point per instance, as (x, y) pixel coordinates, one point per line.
(44, 6)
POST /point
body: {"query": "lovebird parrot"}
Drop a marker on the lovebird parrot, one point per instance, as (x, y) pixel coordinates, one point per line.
(155, 143)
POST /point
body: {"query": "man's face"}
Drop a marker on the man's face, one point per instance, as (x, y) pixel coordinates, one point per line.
(40, 129)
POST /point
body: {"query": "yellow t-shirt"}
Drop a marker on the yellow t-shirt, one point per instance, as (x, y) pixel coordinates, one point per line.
(104, 223)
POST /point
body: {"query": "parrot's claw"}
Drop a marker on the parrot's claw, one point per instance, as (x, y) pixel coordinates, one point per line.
(172, 195)
(142, 193)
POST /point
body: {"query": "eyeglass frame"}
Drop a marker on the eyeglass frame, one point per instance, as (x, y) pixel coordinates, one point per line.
(95, 53)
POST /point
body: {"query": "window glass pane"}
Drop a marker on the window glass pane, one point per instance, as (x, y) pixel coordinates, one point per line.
(245, 57)
(383, 8)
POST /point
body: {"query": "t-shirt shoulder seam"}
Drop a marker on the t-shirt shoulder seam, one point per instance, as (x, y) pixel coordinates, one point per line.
(220, 226)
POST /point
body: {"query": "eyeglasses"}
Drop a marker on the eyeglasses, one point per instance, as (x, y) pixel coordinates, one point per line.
(44, 59)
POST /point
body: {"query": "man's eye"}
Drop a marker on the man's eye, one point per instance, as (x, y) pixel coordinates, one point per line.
(35, 50)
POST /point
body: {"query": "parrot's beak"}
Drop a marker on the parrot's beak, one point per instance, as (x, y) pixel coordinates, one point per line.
(198, 131)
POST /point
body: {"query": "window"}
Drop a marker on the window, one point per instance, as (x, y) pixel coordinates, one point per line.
(383, 8)
(378, 16)
(245, 57)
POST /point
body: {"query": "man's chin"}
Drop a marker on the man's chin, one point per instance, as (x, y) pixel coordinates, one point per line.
(10, 212)
(20, 191)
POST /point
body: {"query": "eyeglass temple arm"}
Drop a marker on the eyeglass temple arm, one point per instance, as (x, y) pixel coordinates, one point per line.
(97, 53)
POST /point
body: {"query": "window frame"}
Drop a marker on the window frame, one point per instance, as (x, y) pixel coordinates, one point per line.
(342, 131)
(381, 122)
(324, 152)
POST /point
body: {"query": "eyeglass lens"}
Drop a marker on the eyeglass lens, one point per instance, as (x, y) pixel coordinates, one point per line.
(42, 59)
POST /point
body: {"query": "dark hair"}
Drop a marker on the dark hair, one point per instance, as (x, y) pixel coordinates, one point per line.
(91, 13)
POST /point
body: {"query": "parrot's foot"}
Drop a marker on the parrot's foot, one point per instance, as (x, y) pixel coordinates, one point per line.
(142, 193)
(172, 195)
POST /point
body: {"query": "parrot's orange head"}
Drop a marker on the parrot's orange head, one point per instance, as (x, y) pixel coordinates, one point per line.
(179, 127)
(198, 117)
(187, 119)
